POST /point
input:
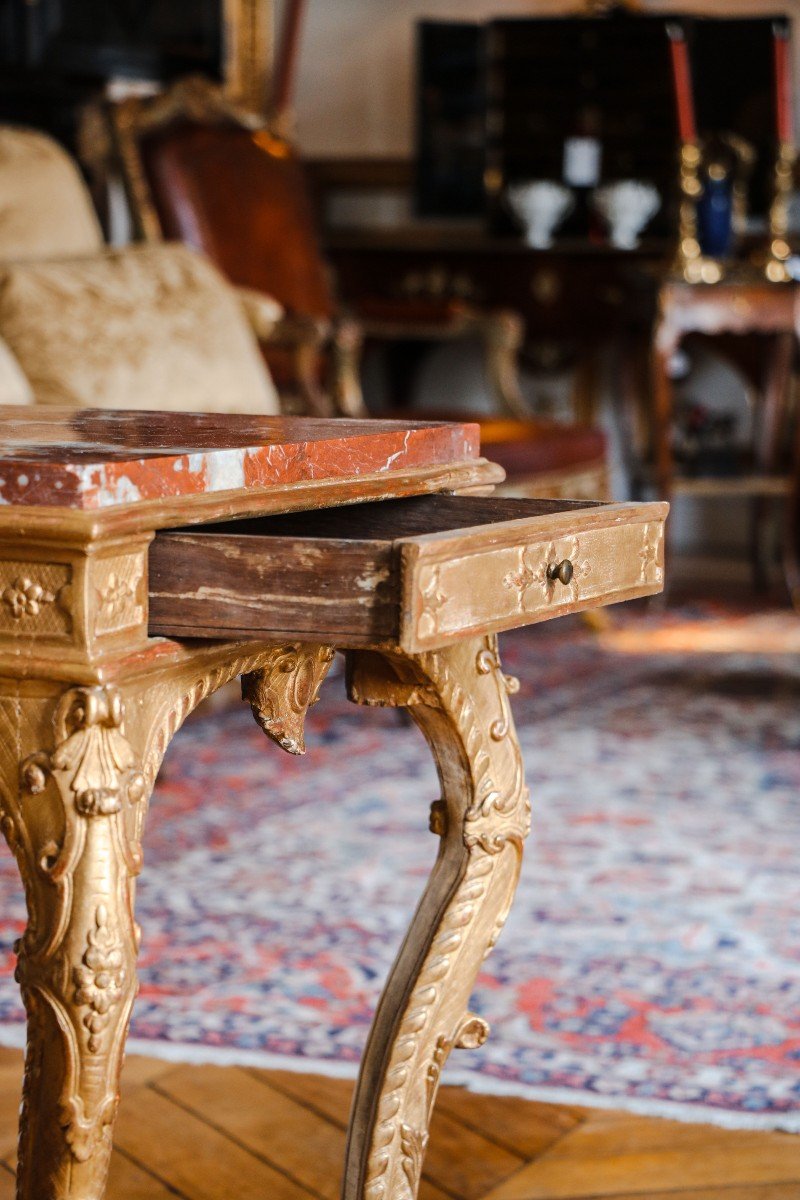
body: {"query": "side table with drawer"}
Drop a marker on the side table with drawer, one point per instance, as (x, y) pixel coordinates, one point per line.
(145, 560)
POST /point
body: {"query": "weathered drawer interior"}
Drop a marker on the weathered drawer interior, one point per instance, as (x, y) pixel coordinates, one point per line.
(421, 572)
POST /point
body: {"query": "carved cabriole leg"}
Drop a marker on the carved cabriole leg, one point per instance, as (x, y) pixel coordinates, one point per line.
(76, 768)
(458, 697)
(71, 787)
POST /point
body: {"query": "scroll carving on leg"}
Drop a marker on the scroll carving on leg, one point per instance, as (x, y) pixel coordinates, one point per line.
(282, 690)
(72, 824)
(76, 769)
(459, 698)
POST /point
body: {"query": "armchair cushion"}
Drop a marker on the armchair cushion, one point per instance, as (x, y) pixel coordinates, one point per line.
(45, 207)
(143, 327)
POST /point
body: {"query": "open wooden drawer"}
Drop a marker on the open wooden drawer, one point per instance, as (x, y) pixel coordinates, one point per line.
(421, 572)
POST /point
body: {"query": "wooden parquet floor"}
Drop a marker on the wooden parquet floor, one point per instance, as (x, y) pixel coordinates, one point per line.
(215, 1133)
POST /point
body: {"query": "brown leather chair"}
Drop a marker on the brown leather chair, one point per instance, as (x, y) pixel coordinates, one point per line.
(201, 171)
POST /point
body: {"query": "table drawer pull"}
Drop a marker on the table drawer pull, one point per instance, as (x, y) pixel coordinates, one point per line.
(561, 572)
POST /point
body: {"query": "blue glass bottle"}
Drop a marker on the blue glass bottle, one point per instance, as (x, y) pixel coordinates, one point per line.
(715, 212)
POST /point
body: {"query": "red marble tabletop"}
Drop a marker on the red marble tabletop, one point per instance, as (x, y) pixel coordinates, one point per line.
(93, 459)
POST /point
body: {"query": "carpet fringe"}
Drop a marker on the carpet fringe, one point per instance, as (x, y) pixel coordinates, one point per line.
(13, 1036)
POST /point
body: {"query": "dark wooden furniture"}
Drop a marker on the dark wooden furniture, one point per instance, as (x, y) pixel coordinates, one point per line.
(183, 155)
(554, 79)
(578, 301)
(93, 686)
(736, 313)
(497, 102)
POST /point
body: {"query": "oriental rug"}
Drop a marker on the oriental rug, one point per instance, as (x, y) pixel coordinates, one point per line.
(652, 959)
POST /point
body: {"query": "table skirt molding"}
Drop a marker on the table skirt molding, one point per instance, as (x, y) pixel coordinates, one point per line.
(77, 765)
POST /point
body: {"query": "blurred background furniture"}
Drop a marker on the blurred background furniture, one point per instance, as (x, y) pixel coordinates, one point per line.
(547, 458)
(578, 301)
(49, 219)
(426, 245)
(493, 110)
(47, 209)
(753, 323)
(183, 156)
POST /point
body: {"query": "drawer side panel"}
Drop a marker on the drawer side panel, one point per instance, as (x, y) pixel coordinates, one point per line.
(202, 585)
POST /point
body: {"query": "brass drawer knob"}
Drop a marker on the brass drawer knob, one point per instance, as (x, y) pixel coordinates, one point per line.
(562, 572)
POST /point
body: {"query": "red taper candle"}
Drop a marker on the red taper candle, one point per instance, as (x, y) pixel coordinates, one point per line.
(783, 84)
(682, 79)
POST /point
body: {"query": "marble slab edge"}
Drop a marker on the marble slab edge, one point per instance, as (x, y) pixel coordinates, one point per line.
(54, 478)
(80, 527)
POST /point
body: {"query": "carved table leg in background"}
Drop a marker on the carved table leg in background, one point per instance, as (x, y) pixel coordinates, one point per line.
(77, 765)
(458, 697)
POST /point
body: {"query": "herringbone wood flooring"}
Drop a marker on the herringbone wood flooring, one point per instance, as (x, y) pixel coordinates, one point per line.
(215, 1133)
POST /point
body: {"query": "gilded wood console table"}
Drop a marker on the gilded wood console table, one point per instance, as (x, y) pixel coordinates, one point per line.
(146, 559)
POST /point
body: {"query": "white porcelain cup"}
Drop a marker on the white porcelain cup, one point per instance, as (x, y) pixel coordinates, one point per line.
(541, 205)
(627, 206)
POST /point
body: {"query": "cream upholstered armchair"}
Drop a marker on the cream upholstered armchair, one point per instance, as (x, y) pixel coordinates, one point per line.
(138, 327)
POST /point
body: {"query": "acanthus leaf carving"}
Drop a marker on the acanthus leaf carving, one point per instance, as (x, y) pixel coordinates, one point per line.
(83, 1132)
(75, 825)
(84, 976)
(92, 751)
(281, 692)
(413, 1144)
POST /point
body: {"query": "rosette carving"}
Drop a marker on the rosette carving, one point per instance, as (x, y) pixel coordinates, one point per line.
(26, 598)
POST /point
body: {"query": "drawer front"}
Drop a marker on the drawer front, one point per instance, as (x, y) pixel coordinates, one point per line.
(450, 591)
(418, 573)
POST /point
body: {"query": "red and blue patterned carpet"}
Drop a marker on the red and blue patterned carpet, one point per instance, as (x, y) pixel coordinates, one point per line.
(652, 960)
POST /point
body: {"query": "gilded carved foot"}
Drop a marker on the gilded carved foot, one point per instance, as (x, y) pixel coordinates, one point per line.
(458, 697)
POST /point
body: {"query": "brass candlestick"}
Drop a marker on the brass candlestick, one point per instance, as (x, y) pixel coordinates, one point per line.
(690, 262)
(776, 268)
